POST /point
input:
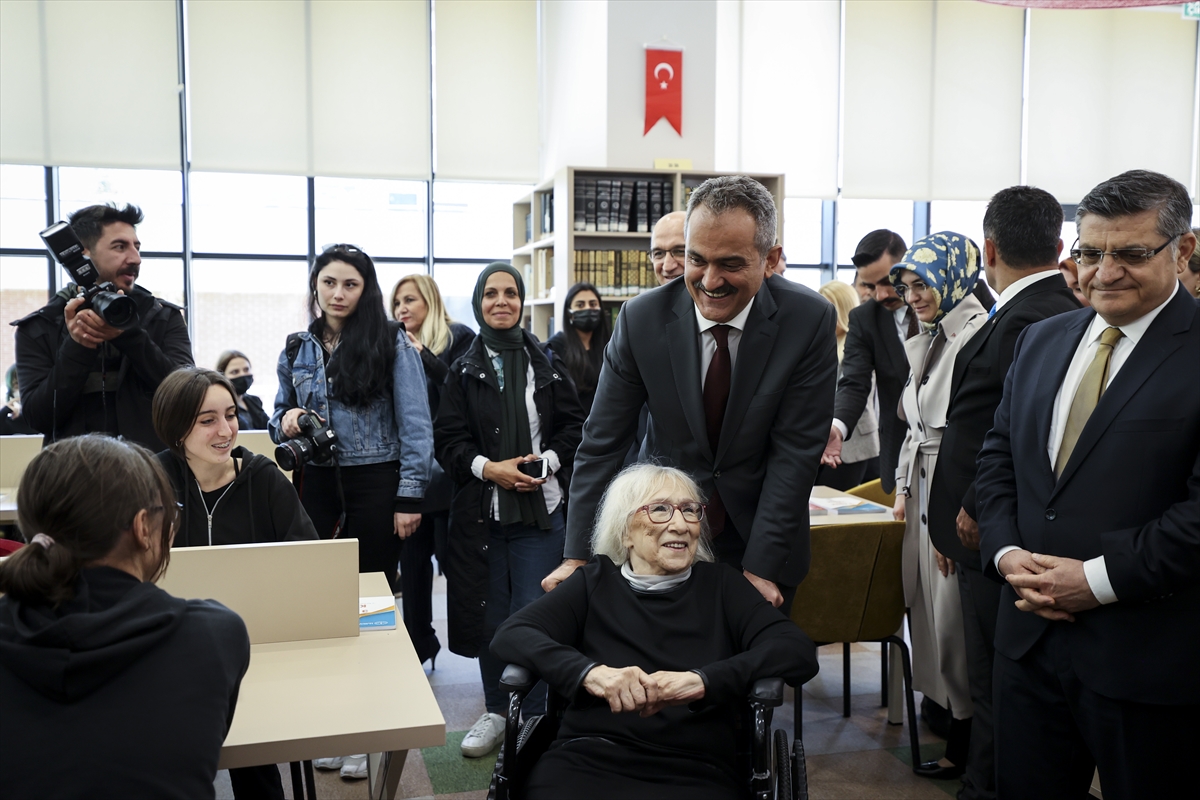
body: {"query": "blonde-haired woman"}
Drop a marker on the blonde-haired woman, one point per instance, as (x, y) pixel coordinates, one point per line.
(863, 443)
(417, 303)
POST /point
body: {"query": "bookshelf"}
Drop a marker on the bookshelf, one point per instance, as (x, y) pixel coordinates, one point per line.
(544, 231)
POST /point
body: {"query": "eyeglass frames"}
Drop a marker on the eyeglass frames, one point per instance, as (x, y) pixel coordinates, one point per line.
(1129, 256)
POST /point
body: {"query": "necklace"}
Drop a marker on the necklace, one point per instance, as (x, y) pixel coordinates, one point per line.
(208, 513)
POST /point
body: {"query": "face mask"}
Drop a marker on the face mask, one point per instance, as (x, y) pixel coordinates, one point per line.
(242, 383)
(586, 319)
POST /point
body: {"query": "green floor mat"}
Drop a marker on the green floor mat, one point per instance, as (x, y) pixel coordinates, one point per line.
(449, 772)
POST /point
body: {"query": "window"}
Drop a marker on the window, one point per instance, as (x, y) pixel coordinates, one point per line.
(22, 205)
(857, 218)
(249, 213)
(384, 218)
(805, 276)
(250, 306)
(802, 230)
(960, 216)
(474, 220)
(159, 193)
(163, 277)
(457, 284)
(23, 290)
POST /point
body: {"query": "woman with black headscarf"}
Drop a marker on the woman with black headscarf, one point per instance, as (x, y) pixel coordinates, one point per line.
(506, 432)
(580, 343)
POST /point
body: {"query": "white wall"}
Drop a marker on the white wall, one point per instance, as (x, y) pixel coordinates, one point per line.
(574, 66)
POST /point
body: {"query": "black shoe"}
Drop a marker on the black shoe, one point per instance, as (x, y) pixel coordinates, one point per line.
(935, 771)
(431, 655)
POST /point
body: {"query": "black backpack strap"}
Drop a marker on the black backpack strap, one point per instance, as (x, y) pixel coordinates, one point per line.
(292, 348)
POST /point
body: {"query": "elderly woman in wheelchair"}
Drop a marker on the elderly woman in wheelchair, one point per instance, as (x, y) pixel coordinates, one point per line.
(655, 648)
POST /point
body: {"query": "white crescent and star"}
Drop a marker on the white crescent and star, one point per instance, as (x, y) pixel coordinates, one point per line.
(668, 68)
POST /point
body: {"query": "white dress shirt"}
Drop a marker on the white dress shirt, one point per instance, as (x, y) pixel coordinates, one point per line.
(900, 315)
(1019, 286)
(551, 491)
(708, 342)
(1093, 569)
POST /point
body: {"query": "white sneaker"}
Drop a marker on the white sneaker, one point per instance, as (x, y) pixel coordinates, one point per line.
(329, 763)
(484, 736)
(355, 767)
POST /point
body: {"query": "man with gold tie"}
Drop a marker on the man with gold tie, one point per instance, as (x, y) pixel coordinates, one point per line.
(1089, 509)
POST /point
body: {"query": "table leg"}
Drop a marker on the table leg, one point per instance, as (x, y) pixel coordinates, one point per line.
(310, 780)
(383, 773)
(895, 693)
(297, 781)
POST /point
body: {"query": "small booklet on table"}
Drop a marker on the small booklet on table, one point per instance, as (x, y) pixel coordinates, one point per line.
(376, 613)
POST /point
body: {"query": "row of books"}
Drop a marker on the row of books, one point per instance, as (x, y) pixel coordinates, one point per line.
(616, 273)
(620, 205)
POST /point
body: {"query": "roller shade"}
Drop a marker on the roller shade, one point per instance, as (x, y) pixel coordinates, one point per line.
(790, 95)
(89, 84)
(1109, 91)
(487, 90)
(310, 87)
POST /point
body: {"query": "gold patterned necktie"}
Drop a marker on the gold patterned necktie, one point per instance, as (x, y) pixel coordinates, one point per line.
(1090, 390)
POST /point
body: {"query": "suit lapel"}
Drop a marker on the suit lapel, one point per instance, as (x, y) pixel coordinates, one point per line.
(1054, 369)
(1160, 341)
(754, 350)
(897, 357)
(684, 344)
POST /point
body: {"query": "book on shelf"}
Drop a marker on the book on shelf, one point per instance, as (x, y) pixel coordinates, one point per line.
(580, 210)
(615, 273)
(528, 228)
(589, 204)
(626, 205)
(603, 199)
(548, 213)
(668, 200)
(656, 194)
(642, 206)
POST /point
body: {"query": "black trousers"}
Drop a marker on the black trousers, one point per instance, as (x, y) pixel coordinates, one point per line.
(256, 783)
(980, 604)
(370, 495)
(728, 548)
(1052, 731)
(845, 477)
(416, 581)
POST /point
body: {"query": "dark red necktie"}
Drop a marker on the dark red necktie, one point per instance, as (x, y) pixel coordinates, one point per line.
(716, 398)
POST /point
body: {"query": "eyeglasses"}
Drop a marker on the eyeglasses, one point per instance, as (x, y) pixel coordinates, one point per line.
(676, 253)
(662, 512)
(902, 289)
(1129, 256)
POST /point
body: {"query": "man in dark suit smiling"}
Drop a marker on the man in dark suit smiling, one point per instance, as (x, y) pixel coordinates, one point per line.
(1088, 495)
(738, 372)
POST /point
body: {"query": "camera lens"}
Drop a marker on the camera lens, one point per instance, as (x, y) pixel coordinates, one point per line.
(292, 454)
(117, 310)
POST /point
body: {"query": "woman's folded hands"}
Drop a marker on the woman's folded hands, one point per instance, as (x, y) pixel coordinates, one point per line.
(631, 689)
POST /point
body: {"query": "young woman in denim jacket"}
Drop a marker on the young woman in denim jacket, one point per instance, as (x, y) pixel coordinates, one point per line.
(358, 373)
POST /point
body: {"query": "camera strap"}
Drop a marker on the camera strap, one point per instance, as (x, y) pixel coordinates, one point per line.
(337, 479)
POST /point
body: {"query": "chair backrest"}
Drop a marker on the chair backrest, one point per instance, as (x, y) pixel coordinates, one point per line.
(15, 454)
(873, 491)
(260, 442)
(853, 586)
(285, 591)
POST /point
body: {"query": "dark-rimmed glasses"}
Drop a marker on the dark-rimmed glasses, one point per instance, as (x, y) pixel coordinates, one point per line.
(662, 512)
(1129, 256)
(676, 253)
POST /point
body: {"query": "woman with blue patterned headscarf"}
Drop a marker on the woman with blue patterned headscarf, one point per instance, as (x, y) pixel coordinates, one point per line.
(936, 278)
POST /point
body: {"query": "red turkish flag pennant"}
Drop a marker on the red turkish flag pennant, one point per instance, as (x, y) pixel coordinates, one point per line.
(664, 88)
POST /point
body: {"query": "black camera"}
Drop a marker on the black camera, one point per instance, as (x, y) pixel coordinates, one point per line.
(316, 444)
(116, 309)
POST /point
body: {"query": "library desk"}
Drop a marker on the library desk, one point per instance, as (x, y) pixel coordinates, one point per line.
(833, 518)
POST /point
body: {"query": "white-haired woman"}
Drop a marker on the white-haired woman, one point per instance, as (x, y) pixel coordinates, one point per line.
(655, 646)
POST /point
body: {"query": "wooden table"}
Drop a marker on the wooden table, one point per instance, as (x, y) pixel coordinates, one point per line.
(314, 699)
(833, 518)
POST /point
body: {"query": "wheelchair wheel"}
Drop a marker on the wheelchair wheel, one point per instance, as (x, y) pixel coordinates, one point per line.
(799, 771)
(783, 772)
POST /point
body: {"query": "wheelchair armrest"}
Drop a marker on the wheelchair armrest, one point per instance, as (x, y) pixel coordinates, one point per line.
(768, 691)
(516, 678)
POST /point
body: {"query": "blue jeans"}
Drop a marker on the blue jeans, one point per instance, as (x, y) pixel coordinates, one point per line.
(519, 556)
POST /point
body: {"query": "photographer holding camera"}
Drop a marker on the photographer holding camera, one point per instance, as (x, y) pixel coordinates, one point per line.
(92, 364)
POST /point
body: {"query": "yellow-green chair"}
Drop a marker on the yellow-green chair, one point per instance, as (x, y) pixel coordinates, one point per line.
(873, 491)
(853, 593)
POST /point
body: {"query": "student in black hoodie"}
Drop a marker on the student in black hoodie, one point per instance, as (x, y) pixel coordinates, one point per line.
(229, 494)
(131, 690)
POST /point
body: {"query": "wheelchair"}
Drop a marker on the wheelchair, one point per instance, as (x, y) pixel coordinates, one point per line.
(774, 772)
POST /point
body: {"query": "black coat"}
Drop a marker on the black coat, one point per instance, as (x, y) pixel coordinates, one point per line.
(253, 417)
(437, 367)
(874, 346)
(261, 505)
(975, 390)
(1130, 492)
(468, 425)
(53, 370)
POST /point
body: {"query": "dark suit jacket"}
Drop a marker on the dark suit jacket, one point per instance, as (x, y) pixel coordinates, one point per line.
(873, 346)
(776, 423)
(1131, 493)
(975, 390)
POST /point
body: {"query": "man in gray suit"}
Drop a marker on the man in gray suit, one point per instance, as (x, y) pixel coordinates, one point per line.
(738, 370)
